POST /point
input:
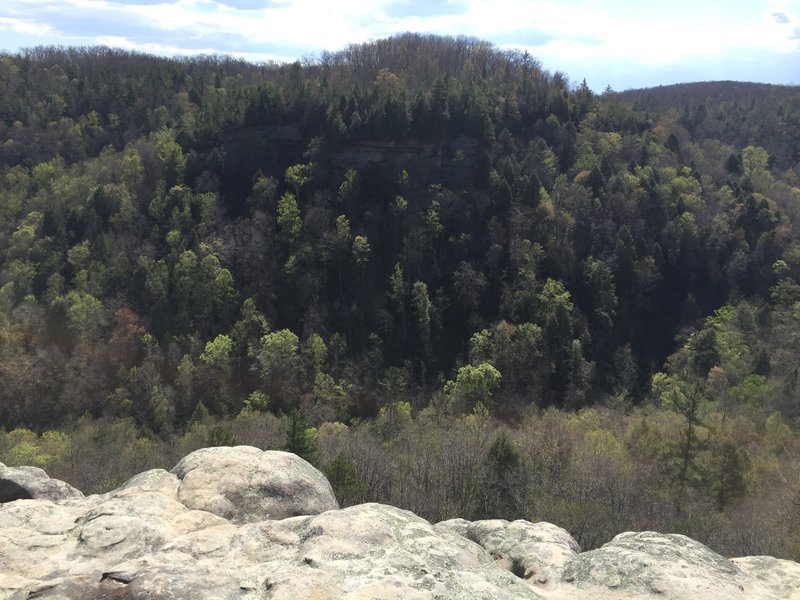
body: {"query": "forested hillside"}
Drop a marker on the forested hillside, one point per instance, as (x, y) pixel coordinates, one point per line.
(413, 242)
(739, 114)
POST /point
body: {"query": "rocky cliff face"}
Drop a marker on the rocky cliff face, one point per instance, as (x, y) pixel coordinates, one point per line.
(230, 523)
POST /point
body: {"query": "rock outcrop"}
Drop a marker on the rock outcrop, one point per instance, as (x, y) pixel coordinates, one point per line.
(230, 523)
(534, 552)
(21, 483)
(656, 565)
(244, 484)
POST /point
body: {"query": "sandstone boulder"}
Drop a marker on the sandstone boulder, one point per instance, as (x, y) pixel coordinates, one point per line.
(245, 484)
(370, 551)
(781, 577)
(655, 565)
(24, 483)
(534, 552)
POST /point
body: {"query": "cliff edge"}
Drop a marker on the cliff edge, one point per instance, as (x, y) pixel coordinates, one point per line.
(241, 523)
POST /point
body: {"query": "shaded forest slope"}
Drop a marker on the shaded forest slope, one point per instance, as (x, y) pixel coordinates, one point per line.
(179, 233)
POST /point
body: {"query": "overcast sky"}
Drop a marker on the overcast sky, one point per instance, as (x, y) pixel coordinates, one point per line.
(621, 43)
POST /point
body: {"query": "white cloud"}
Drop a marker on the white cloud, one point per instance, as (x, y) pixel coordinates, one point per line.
(676, 38)
(20, 26)
(167, 50)
(625, 36)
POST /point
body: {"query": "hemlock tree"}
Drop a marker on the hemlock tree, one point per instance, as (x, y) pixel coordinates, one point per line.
(300, 439)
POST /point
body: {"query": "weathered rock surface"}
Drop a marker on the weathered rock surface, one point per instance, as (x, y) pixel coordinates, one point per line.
(534, 552)
(668, 566)
(245, 484)
(781, 577)
(239, 523)
(20, 483)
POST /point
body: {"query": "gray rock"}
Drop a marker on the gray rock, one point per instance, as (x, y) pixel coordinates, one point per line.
(655, 565)
(368, 551)
(37, 539)
(181, 581)
(24, 483)
(244, 484)
(86, 588)
(154, 480)
(534, 552)
(781, 577)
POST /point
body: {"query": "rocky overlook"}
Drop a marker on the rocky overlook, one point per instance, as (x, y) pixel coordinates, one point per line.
(238, 522)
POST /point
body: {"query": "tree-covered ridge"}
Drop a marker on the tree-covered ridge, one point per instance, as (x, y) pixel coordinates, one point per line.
(736, 113)
(184, 235)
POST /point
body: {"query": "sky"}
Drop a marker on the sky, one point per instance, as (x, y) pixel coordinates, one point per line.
(619, 43)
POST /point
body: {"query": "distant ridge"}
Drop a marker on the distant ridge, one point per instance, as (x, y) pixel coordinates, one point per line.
(665, 96)
(735, 112)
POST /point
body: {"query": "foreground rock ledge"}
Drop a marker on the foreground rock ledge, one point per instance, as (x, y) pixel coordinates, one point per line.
(230, 523)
